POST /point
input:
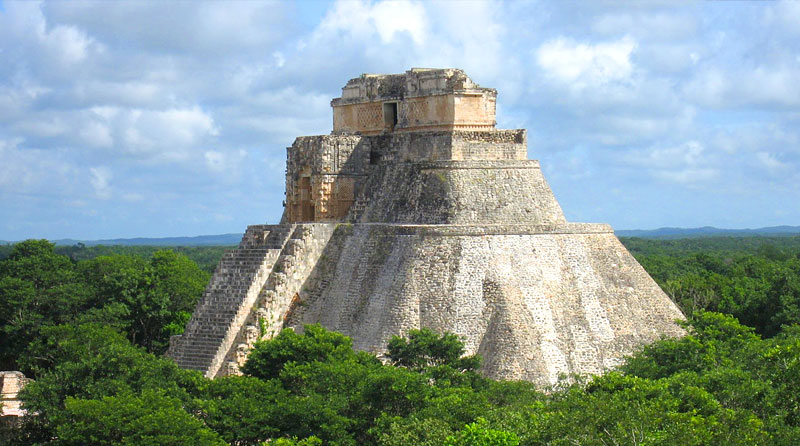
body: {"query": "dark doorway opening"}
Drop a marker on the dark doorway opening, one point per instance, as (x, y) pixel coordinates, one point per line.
(390, 114)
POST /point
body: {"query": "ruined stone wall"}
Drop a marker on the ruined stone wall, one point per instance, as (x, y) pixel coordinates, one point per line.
(474, 111)
(328, 154)
(323, 176)
(249, 295)
(479, 248)
(326, 174)
(495, 145)
(534, 301)
(459, 192)
(10, 385)
(418, 100)
(452, 111)
(447, 146)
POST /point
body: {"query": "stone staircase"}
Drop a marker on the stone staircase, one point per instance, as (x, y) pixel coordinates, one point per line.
(281, 292)
(228, 299)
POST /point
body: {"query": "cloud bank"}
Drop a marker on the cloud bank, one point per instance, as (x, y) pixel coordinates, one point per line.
(123, 119)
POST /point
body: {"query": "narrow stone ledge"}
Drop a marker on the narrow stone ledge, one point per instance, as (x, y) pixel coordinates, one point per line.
(478, 230)
(476, 164)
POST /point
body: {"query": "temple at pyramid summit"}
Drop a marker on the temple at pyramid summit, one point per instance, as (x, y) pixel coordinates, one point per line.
(417, 212)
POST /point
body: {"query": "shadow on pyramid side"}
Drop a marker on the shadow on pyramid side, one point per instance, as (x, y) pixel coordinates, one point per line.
(416, 212)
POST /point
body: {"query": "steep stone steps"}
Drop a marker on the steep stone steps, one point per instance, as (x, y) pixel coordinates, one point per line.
(290, 272)
(239, 277)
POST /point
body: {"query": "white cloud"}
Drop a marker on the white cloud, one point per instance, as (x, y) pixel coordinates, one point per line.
(761, 86)
(688, 163)
(769, 161)
(163, 135)
(686, 154)
(33, 172)
(224, 162)
(785, 15)
(132, 197)
(583, 65)
(400, 16)
(97, 134)
(208, 28)
(280, 60)
(472, 35)
(66, 43)
(362, 19)
(688, 176)
(99, 179)
(771, 86)
(657, 25)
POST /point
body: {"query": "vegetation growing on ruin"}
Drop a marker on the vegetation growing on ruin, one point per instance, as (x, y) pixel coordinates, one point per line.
(87, 331)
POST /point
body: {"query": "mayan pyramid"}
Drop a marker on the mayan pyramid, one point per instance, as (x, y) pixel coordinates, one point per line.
(417, 212)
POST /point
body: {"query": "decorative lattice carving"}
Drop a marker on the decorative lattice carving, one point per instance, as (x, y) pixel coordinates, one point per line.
(344, 189)
(370, 116)
(416, 111)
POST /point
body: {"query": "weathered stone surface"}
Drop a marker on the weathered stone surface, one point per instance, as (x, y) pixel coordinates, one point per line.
(10, 385)
(534, 302)
(460, 192)
(430, 223)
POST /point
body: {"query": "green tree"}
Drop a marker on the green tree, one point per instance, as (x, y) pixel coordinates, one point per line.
(424, 349)
(617, 409)
(182, 282)
(419, 431)
(91, 362)
(37, 288)
(316, 344)
(242, 409)
(780, 362)
(714, 340)
(148, 300)
(479, 434)
(310, 441)
(151, 419)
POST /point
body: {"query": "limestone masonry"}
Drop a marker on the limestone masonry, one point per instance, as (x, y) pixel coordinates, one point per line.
(10, 385)
(416, 212)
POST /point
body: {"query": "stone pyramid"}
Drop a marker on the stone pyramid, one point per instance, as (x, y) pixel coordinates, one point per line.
(416, 212)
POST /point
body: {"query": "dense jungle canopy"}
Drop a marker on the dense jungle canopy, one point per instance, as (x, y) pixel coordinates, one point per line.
(89, 325)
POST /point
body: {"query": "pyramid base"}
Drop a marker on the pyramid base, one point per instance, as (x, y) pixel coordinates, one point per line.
(535, 302)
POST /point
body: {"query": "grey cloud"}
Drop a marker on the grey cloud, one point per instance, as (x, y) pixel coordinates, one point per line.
(212, 29)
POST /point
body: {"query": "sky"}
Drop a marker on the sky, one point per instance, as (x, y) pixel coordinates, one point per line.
(155, 119)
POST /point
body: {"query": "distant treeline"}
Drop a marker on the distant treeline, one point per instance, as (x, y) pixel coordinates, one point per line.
(770, 247)
(206, 257)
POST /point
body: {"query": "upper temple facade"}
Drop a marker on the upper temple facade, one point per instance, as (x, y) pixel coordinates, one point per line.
(420, 99)
(416, 212)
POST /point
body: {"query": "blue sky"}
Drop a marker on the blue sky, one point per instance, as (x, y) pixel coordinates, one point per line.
(122, 119)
